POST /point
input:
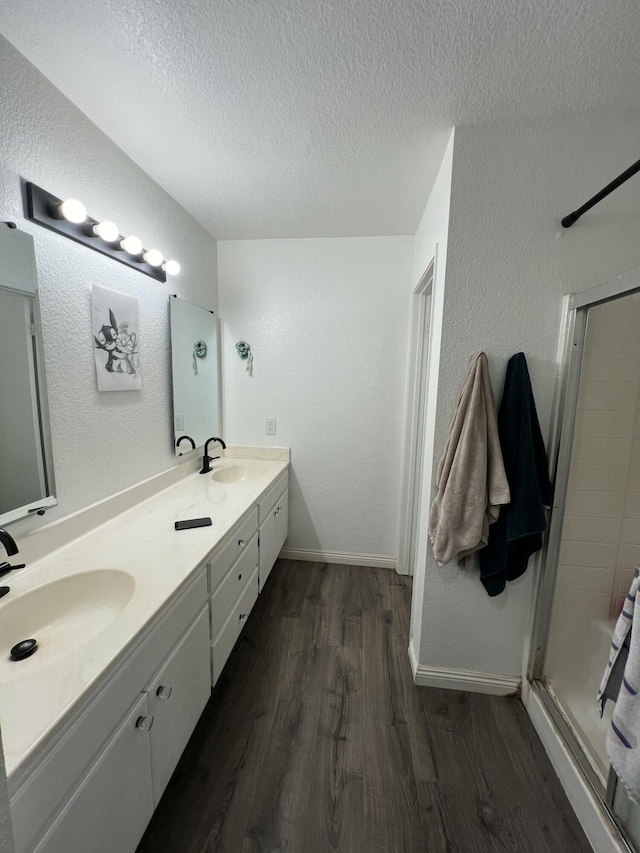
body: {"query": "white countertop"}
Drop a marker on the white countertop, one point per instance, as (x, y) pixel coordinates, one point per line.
(36, 699)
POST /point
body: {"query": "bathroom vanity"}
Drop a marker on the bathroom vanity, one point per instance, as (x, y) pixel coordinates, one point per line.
(141, 620)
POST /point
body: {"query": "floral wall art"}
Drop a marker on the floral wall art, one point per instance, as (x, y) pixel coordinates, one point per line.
(115, 338)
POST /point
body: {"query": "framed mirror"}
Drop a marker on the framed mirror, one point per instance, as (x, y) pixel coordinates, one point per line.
(194, 367)
(26, 458)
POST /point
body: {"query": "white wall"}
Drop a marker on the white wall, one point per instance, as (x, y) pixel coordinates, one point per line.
(327, 321)
(508, 263)
(431, 242)
(101, 442)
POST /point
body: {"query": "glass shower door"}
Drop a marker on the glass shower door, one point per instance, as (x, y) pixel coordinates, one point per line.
(599, 542)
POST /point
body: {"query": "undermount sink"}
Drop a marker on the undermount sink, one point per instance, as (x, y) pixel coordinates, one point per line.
(238, 474)
(61, 616)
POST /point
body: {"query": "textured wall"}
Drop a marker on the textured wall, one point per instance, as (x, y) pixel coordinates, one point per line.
(102, 442)
(327, 321)
(509, 262)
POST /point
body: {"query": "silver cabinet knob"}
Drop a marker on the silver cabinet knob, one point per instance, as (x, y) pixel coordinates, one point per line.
(144, 723)
(242, 542)
(164, 691)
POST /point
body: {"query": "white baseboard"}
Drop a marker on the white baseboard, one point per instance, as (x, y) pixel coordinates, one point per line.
(596, 824)
(462, 679)
(347, 558)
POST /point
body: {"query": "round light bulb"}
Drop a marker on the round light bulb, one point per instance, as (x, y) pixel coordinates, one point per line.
(171, 267)
(73, 211)
(107, 231)
(132, 245)
(153, 257)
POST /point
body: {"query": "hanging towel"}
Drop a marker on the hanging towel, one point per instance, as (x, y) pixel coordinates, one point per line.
(619, 652)
(518, 532)
(623, 747)
(471, 480)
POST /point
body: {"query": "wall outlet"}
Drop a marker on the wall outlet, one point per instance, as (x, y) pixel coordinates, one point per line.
(270, 426)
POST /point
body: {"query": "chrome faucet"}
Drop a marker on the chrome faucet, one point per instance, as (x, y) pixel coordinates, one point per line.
(206, 458)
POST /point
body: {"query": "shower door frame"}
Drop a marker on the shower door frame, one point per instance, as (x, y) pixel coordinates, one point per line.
(575, 328)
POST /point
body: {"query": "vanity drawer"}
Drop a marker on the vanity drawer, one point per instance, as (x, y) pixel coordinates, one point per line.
(222, 562)
(232, 586)
(268, 501)
(226, 640)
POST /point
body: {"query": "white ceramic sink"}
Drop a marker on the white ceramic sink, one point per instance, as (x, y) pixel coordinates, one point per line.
(61, 616)
(238, 474)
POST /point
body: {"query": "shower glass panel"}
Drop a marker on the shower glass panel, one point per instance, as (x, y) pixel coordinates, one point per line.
(600, 543)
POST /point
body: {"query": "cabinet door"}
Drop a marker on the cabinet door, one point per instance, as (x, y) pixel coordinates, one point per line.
(177, 697)
(111, 808)
(272, 535)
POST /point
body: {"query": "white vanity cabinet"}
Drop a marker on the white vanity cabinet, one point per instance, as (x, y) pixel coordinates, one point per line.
(97, 789)
(113, 804)
(94, 785)
(274, 522)
(177, 696)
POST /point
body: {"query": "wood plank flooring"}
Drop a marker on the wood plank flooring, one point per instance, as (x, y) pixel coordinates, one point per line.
(316, 740)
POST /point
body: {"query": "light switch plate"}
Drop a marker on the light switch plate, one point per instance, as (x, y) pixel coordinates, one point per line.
(270, 426)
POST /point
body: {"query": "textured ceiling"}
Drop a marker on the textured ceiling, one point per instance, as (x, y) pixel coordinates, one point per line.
(319, 117)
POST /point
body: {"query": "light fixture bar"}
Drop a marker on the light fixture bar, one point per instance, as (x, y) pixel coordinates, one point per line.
(40, 204)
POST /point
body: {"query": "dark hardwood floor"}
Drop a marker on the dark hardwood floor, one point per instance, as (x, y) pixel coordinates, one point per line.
(316, 740)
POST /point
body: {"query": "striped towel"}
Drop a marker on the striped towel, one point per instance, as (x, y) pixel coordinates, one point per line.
(623, 738)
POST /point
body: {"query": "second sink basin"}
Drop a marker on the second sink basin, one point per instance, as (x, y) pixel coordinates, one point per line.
(61, 615)
(238, 474)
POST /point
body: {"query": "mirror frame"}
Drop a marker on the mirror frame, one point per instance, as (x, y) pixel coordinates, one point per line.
(10, 239)
(186, 450)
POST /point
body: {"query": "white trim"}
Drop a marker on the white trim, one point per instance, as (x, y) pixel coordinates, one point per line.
(463, 679)
(346, 558)
(413, 659)
(595, 822)
(610, 290)
(414, 420)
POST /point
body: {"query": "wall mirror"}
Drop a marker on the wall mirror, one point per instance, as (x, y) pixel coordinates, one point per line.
(194, 364)
(26, 458)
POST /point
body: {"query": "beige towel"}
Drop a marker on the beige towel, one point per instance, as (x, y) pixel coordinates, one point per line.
(471, 480)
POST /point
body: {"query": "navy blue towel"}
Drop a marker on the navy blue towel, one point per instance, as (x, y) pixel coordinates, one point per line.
(517, 533)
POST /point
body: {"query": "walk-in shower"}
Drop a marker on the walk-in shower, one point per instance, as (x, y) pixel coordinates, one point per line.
(594, 539)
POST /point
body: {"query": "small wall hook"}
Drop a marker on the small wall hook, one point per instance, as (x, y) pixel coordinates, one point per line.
(244, 351)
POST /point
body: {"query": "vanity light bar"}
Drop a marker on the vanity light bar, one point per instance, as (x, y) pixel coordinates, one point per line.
(70, 218)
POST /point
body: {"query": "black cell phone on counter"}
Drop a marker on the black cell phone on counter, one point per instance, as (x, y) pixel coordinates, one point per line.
(193, 522)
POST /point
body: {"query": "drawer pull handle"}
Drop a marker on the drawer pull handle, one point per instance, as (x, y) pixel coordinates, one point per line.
(163, 692)
(242, 542)
(144, 723)
(239, 577)
(243, 616)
